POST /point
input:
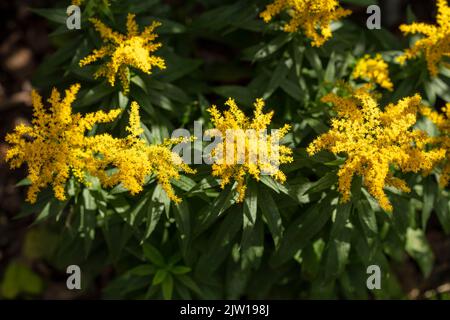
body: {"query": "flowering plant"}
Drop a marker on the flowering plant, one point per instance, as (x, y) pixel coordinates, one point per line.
(353, 165)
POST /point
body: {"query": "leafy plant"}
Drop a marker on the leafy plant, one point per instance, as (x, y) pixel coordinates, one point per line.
(296, 239)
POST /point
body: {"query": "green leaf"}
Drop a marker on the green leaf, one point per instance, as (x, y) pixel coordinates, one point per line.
(417, 247)
(140, 7)
(271, 214)
(86, 220)
(251, 202)
(293, 90)
(339, 242)
(218, 18)
(188, 282)
(367, 218)
(140, 96)
(220, 244)
(183, 221)
(142, 270)
(330, 71)
(19, 278)
(252, 243)
(137, 210)
(184, 183)
(403, 90)
(167, 287)
(443, 212)
(116, 234)
(23, 182)
(368, 221)
(323, 183)
(160, 276)
(430, 190)
(242, 95)
(153, 255)
(311, 257)
(94, 95)
(214, 211)
(265, 50)
(271, 183)
(180, 270)
(313, 58)
(159, 202)
(303, 229)
(170, 27)
(280, 73)
(319, 127)
(54, 15)
(52, 209)
(178, 67)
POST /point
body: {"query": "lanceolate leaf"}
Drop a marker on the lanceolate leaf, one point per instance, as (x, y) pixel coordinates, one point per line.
(153, 255)
(219, 206)
(303, 229)
(271, 215)
(220, 244)
(155, 208)
(251, 203)
(252, 243)
(339, 241)
(183, 220)
(417, 246)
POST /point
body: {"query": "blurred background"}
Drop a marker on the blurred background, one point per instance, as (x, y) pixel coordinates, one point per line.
(23, 270)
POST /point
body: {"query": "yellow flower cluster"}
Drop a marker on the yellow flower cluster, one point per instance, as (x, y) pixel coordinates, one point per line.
(246, 148)
(56, 147)
(55, 144)
(80, 2)
(435, 44)
(312, 16)
(135, 160)
(374, 141)
(442, 121)
(374, 70)
(123, 51)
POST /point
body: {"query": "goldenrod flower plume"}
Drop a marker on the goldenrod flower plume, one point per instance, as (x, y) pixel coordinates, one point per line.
(442, 121)
(55, 145)
(120, 52)
(435, 44)
(312, 16)
(374, 140)
(246, 147)
(374, 70)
